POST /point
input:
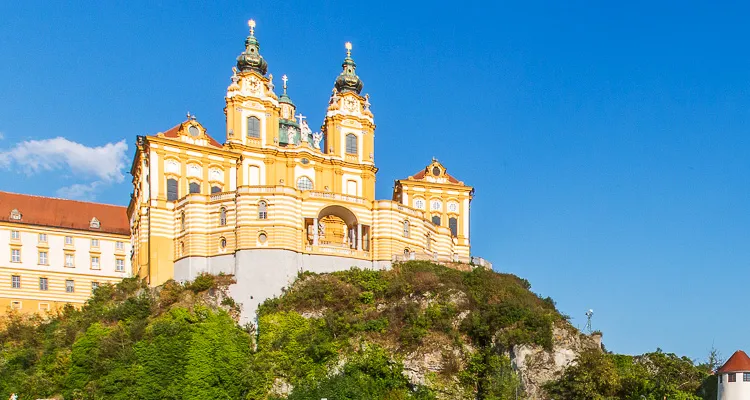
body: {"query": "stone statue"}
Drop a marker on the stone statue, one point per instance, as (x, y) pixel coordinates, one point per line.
(13, 396)
(367, 102)
(317, 137)
(270, 83)
(235, 78)
(290, 133)
(305, 131)
(334, 96)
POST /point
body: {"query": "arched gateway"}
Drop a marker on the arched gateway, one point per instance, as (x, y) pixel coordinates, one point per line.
(336, 229)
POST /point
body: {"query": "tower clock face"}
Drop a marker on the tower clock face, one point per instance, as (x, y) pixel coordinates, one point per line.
(194, 131)
(350, 104)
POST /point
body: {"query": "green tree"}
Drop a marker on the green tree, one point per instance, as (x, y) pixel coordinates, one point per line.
(593, 377)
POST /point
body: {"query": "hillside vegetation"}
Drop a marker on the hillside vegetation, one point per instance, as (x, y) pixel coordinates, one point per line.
(417, 331)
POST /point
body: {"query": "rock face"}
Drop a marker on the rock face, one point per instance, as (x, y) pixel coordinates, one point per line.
(538, 366)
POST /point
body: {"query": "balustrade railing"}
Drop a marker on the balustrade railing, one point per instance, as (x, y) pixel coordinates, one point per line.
(337, 196)
(337, 250)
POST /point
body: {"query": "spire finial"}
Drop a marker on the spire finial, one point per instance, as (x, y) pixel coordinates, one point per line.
(251, 24)
(285, 79)
(348, 46)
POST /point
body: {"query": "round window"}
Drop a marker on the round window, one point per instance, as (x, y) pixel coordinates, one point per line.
(194, 131)
(305, 161)
(436, 171)
(223, 243)
(262, 238)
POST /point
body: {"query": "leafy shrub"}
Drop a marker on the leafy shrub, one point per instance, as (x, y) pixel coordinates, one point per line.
(202, 283)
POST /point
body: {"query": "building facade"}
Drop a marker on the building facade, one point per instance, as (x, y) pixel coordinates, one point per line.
(277, 198)
(55, 252)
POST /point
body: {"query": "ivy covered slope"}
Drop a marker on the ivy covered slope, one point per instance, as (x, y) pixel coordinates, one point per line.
(418, 331)
(130, 342)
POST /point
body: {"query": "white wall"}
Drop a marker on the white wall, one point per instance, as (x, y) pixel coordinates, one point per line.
(738, 390)
(261, 274)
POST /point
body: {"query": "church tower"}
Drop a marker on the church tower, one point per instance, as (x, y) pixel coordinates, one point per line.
(349, 130)
(252, 108)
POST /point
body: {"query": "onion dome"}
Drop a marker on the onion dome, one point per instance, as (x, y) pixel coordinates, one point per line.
(348, 81)
(284, 98)
(250, 59)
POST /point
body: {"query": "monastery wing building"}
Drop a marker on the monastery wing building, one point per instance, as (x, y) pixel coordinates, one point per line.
(277, 198)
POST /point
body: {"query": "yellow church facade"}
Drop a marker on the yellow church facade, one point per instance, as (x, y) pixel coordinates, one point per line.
(277, 198)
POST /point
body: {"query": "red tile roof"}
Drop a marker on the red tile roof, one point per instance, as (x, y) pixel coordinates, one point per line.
(739, 361)
(173, 133)
(63, 213)
(420, 175)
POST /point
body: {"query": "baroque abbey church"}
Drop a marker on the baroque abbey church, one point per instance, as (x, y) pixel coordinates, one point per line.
(277, 198)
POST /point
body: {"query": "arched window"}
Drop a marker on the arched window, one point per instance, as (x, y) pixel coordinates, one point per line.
(195, 187)
(182, 221)
(406, 229)
(253, 127)
(222, 216)
(419, 204)
(262, 210)
(453, 225)
(436, 220)
(429, 242)
(351, 143)
(172, 191)
(215, 189)
(406, 253)
(304, 183)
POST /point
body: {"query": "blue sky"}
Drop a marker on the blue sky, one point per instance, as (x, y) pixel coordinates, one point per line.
(608, 144)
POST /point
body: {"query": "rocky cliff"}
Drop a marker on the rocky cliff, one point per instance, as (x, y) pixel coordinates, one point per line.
(455, 334)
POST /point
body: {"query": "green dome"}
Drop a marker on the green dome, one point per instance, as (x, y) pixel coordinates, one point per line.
(284, 98)
(250, 59)
(348, 81)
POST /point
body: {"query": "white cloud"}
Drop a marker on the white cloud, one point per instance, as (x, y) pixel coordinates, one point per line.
(79, 191)
(99, 165)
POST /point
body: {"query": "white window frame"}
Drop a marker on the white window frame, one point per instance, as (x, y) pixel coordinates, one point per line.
(305, 179)
(15, 281)
(72, 259)
(15, 255)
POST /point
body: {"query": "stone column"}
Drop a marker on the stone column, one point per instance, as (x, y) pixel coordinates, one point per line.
(315, 231)
(359, 237)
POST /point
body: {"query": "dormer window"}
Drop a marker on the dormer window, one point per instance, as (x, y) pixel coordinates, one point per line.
(94, 224)
(15, 215)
